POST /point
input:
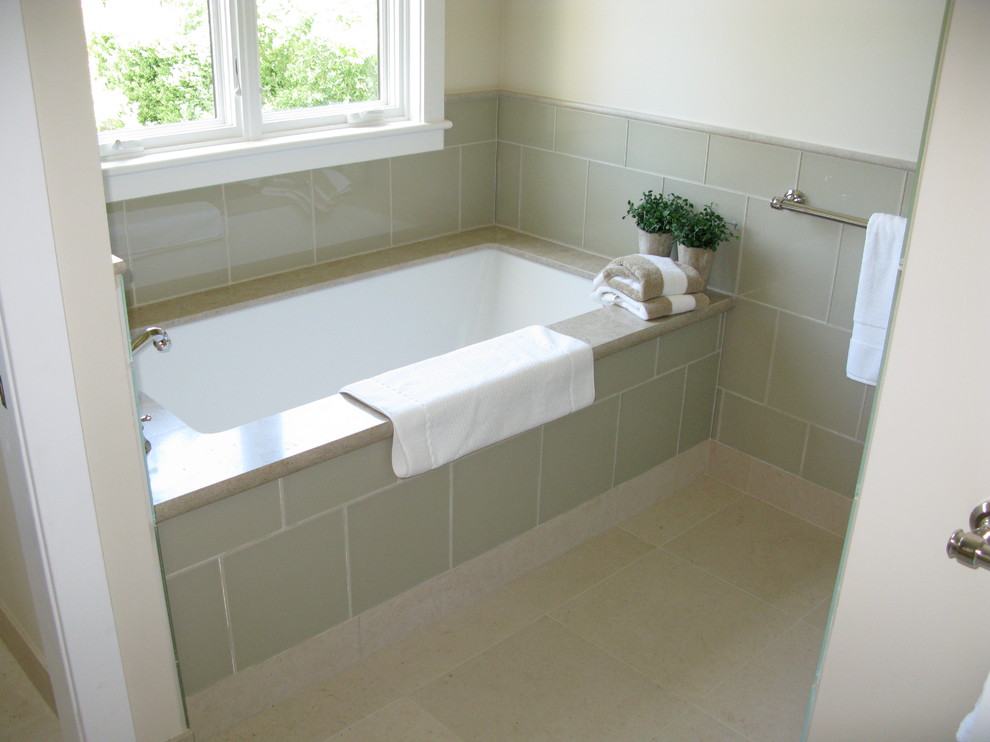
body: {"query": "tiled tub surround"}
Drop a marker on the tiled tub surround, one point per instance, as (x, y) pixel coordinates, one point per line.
(565, 173)
(300, 527)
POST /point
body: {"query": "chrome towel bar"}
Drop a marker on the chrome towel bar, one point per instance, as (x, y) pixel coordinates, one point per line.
(794, 200)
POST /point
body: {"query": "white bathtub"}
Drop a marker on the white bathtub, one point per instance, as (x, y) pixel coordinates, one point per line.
(239, 366)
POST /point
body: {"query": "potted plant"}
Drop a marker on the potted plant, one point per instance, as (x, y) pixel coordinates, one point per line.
(655, 216)
(698, 235)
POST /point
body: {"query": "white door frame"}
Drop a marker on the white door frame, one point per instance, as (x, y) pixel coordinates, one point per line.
(70, 431)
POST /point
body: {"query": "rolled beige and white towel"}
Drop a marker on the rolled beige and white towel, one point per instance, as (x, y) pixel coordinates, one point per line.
(660, 306)
(645, 277)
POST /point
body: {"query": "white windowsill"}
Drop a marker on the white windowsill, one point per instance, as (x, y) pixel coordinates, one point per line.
(197, 167)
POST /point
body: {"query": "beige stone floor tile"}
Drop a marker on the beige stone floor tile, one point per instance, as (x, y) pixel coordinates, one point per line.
(674, 515)
(695, 725)
(768, 698)
(39, 730)
(545, 684)
(402, 721)
(23, 713)
(677, 624)
(318, 713)
(772, 554)
(580, 568)
(430, 652)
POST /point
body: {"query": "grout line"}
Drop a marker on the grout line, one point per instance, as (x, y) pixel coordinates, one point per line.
(226, 613)
(226, 234)
(347, 571)
(773, 355)
(835, 274)
(584, 214)
(539, 476)
(312, 212)
(708, 153)
(450, 516)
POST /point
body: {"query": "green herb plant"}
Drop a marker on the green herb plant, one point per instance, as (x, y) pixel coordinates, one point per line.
(706, 228)
(657, 214)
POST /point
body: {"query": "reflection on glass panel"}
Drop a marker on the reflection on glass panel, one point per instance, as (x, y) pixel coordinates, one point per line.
(151, 62)
(317, 53)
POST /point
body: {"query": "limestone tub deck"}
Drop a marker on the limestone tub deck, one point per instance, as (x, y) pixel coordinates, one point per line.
(189, 470)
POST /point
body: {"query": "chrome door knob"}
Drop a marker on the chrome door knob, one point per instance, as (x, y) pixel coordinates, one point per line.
(972, 547)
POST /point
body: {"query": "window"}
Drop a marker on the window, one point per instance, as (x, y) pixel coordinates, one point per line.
(197, 92)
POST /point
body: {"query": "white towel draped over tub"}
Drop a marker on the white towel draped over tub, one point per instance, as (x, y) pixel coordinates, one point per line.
(874, 296)
(450, 405)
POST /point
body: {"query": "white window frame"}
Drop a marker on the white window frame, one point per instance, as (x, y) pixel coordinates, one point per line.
(259, 148)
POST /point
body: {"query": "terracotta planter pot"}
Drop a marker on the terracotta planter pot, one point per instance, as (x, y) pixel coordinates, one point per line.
(652, 243)
(698, 258)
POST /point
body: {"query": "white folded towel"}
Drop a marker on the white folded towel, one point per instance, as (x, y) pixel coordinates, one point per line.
(644, 277)
(450, 405)
(875, 296)
(975, 727)
(661, 306)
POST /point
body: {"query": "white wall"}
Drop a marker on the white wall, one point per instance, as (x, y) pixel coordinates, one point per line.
(473, 49)
(843, 73)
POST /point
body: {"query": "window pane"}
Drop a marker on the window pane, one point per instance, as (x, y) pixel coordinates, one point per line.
(317, 52)
(150, 62)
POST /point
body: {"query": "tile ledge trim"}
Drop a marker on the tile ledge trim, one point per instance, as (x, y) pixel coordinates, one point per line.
(817, 149)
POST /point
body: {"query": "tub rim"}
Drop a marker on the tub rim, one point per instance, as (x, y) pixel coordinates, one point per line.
(188, 470)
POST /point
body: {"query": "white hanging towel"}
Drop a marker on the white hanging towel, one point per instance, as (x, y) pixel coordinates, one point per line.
(875, 295)
(975, 727)
(450, 405)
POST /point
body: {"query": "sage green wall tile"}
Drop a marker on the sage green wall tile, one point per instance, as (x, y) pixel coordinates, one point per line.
(211, 530)
(175, 243)
(270, 224)
(477, 185)
(591, 135)
(578, 453)
(763, 433)
(337, 481)
(753, 168)
(843, 302)
(508, 173)
(353, 209)
(610, 189)
(425, 195)
(399, 538)
(732, 206)
(850, 187)
(699, 402)
(199, 623)
(649, 423)
(287, 588)
(473, 119)
(672, 152)
(688, 344)
(625, 369)
(910, 187)
(832, 461)
(526, 123)
(808, 377)
(552, 196)
(495, 494)
(867, 414)
(750, 329)
(789, 260)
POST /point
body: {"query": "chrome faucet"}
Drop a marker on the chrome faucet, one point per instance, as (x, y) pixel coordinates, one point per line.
(159, 338)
